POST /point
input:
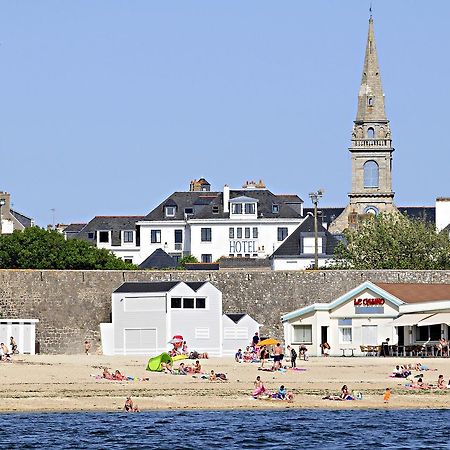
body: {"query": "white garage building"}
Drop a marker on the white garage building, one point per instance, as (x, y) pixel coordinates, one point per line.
(146, 315)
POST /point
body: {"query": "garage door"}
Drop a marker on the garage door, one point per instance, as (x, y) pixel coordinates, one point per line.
(140, 340)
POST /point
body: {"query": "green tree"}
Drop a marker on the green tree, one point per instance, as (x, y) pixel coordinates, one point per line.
(393, 241)
(186, 259)
(35, 248)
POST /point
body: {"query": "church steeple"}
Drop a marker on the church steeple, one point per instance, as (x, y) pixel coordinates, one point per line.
(371, 148)
(371, 96)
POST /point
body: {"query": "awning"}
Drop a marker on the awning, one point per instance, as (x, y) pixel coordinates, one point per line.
(436, 319)
(410, 319)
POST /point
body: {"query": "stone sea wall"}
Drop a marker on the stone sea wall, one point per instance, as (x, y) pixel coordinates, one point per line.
(70, 305)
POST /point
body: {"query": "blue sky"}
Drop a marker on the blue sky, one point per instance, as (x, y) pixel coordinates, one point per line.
(106, 107)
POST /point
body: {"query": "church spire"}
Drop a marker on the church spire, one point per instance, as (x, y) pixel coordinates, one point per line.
(371, 97)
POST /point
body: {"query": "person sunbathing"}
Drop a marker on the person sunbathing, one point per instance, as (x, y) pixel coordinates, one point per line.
(421, 385)
(217, 376)
(130, 406)
(118, 376)
(259, 387)
(441, 382)
(197, 367)
(106, 374)
(346, 393)
(166, 367)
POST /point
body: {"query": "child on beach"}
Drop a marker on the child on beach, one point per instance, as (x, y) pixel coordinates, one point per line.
(87, 347)
(387, 395)
(441, 382)
(238, 356)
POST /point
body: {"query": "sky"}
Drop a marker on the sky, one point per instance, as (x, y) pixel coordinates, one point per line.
(108, 106)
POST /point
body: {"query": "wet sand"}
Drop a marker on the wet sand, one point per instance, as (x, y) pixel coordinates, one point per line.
(64, 383)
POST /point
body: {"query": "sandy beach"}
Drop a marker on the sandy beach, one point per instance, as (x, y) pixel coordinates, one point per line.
(67, 383)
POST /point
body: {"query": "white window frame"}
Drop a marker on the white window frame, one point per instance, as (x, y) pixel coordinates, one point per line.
(104, 231)
(170, 211)
(157, 233)
(342, 334)
(304, 341)
(123, 237)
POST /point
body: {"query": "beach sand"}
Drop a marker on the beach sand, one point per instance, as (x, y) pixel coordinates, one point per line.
(64, 383)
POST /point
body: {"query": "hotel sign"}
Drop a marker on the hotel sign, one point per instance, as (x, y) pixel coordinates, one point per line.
(243, 246)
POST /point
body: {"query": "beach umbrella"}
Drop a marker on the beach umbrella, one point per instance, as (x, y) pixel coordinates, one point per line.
(176, 341)
(269, 341)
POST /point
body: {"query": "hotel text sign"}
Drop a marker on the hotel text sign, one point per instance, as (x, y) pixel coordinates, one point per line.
(243, 247)
(369, 302)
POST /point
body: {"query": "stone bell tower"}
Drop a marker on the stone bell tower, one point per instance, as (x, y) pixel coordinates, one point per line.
(371, 149)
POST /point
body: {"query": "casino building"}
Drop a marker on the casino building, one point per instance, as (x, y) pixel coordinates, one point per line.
(411, 315)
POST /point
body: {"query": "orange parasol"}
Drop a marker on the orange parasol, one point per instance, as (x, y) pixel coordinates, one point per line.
(269, 341)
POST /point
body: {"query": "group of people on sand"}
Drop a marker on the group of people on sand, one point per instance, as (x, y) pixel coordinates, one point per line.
(194, 369)
(261, 392)
(346, 394)
(440, 384)
(183, 350)
(116, 376)
(6, 353)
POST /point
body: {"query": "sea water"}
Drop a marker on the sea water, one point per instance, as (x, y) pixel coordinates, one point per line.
(252, 429)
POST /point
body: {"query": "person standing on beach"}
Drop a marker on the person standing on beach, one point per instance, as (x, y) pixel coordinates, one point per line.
(255, 339)
(277, 357)
(387, 395)
(87, 347)
(13, 344)
(293, 356)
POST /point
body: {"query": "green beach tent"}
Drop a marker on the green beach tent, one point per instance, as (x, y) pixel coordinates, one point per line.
(154, 364)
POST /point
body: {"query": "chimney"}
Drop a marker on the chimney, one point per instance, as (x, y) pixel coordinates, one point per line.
(226, 198)
(442, 212)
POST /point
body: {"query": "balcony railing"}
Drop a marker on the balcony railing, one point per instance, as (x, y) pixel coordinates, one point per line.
(371, 142)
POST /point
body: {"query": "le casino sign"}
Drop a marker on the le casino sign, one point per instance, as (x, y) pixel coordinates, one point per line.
(369, 302)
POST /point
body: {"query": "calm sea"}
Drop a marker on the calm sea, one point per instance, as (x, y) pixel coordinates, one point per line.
(199, 430)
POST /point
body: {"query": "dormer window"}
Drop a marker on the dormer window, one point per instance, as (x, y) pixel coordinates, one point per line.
(275, 209)
(170, 211)
(249, 208)
(236, 208)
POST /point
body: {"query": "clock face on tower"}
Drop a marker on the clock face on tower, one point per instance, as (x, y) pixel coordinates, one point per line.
(371, 210)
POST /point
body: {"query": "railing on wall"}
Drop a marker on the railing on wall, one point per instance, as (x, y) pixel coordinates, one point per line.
(371, 142)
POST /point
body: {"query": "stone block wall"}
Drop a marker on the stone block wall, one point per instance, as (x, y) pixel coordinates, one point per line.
(70, 305)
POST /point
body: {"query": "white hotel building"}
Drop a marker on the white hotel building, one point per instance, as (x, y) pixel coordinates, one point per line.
(251, 222)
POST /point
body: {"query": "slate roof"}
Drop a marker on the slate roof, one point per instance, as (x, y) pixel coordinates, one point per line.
(292, 245)
(115, 224)
(236, 317)
(426, 213)
(25, 221)
(159, 259)
(74, 227)
(209, 205)
(155, 286)
(328, 214)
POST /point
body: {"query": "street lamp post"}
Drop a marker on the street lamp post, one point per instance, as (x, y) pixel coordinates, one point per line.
(315, 197)
(2, 202)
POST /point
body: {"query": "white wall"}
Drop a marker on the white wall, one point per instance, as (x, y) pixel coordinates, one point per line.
(442, 212)
(193, 323)
(298, 263)
(139, 311)
(244, 331)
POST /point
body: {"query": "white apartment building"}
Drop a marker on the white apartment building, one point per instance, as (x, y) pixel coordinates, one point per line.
(250, 222)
